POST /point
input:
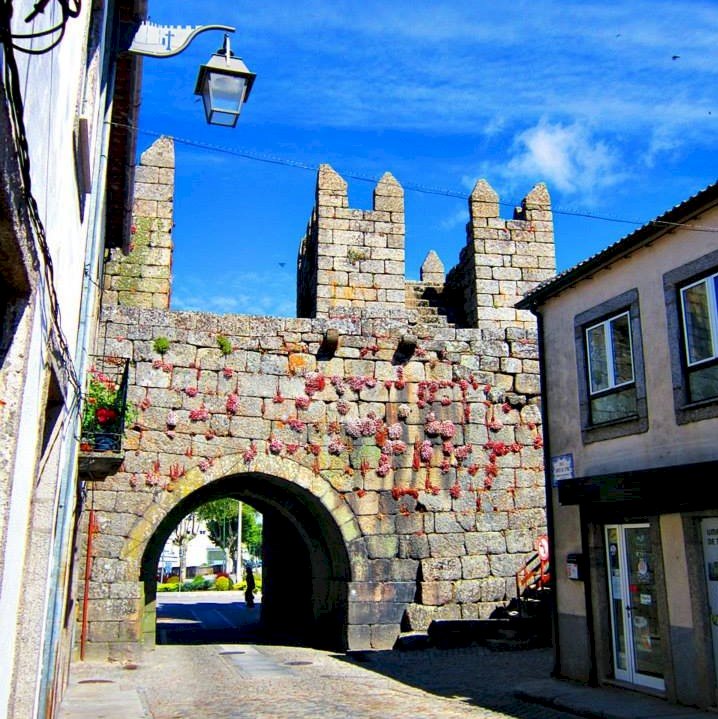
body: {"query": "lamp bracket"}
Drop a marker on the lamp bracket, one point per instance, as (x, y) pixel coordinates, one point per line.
(153, 40)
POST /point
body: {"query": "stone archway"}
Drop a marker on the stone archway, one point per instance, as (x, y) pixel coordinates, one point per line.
(304, 512)
(307, 568)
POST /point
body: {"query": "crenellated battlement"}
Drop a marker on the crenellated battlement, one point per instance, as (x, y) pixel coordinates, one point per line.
(502, 259)
(353, 260)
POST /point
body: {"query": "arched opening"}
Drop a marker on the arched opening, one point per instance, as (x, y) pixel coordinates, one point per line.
(306, 568)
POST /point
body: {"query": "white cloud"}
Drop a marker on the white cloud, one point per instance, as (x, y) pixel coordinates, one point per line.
(567, 157)
(245, 293)
(459, 218)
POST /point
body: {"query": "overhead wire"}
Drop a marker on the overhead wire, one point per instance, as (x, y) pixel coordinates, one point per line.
(43, 261)
(413, 187)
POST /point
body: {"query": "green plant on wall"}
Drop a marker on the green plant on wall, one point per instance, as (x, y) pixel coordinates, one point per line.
(161, 345)
(354, 255)
(224, 345)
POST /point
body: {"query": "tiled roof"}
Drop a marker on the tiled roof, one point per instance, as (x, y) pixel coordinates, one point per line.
(700, 202)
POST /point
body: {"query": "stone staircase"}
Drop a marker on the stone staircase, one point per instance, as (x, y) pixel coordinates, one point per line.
(426, 299)
(525, 622)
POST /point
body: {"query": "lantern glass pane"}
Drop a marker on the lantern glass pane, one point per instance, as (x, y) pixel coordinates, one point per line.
(226, 93)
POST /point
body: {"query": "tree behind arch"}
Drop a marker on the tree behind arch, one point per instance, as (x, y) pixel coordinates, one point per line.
(220, 517)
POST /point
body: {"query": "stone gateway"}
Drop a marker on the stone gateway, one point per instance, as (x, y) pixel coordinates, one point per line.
(391, 434)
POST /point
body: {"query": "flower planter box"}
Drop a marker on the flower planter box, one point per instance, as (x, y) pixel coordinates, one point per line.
(104, 414)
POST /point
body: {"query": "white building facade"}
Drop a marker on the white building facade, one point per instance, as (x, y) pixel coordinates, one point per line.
(56, 101)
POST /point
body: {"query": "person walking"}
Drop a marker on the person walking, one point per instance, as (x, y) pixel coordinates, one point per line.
(249, 589)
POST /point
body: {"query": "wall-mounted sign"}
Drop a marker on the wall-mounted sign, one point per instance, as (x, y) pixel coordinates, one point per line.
(561, 468)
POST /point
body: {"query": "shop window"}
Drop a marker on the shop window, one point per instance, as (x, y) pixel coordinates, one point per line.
(691, 293)
(610, 369)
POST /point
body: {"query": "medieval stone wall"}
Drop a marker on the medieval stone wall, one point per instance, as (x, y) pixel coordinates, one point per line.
(353, 259)
(421, 440)
(140, 276)
(502, 259)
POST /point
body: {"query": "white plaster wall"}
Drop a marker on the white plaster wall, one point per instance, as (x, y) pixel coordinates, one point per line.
(665, 443)
(51, 87)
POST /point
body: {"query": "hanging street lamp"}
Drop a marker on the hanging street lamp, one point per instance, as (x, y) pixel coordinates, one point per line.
(224, 84)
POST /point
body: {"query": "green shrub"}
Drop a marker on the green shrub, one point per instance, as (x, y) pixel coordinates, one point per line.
(161, 345)
(168, 587)
(222, 584)
(224, 345)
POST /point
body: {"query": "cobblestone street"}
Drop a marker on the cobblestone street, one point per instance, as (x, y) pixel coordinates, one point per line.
(241, 680)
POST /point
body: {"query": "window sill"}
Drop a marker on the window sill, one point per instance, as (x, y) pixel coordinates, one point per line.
(700, 404)
(611, 423)
(635, 424)
(687, 412)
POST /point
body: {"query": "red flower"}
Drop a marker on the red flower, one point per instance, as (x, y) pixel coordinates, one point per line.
(105, 415)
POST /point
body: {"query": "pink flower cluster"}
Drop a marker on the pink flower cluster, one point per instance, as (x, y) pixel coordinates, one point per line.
(336, 446)
(232, 403)
(276, 445)
(314, 382)
(250, 453)
(434, 427)
(384, 466)
(339, 384)
(426, 451)
(395, 431)
(199, 414)
(296, 424)
(366, 427)
(463, 451)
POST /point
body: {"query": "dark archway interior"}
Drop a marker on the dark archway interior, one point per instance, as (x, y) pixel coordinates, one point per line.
(306, 569)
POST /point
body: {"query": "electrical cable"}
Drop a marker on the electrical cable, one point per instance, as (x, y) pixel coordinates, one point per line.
(68, 12)
(413, 187)
(15, 104)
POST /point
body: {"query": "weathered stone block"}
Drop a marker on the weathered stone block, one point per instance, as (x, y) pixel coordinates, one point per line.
(436, 593)
(448, 568)
(382, 546)
(447, 545)
(384, 636)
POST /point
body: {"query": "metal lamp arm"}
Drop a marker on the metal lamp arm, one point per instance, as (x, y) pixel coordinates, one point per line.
(152, 40)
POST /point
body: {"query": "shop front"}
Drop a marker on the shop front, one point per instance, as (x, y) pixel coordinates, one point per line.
(650, 583)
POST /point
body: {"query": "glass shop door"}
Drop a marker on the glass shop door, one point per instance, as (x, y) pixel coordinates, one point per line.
(635, 632)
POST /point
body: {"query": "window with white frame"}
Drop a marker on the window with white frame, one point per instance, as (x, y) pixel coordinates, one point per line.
(611, 381)
(700, 335)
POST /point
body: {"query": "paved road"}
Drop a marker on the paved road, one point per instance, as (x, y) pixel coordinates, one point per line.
(233, 680)
(206, 618)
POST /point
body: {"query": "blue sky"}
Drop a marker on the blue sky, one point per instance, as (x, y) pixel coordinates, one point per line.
(585, 96)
